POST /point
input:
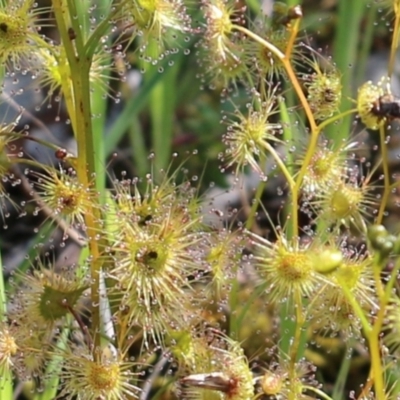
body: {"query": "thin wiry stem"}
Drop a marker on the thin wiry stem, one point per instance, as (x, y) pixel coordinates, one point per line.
(311, 120)
(294, 348)
(386, 174)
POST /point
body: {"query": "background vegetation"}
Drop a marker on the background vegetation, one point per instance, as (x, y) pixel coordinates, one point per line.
(199, 200)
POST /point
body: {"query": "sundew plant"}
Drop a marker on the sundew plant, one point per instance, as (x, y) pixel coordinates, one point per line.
(198, 200)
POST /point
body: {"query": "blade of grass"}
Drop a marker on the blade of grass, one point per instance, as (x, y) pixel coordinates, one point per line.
(162, 106)
(99, 103)
(132, 108)
(6, 386)
(288, 331)
(366, 43)
(137, 102)
(53, 369)
(256, 293)
(345, 53)
(82, 11)
(41, 237)
(341, 379)
(253, 5)
(287, 328)
(139, 149)
(99, 108)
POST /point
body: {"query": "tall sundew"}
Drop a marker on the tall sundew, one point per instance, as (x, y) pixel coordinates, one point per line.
(287, 267)
(261, 60)
(224, 254)
(328, 166)
(392, 329)
(159, 21)
(54, 74)
(221, 48)
(223, 69)
(153, 272)
(189, 348)
(23, 350)
(39, 308)
(142, 207)
(371, 100)
(47, 297)
(249, 134)
(151, 205)
(220, 17)
(323, 85)
(280, 381)
(355, 272)
(153, 324)
(107, 376)
(19, 31)
(6, 161)
(348, 203)
(61, 191)
(8, 348)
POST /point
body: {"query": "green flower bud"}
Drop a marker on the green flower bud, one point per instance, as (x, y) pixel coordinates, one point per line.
(328, 261)
(377, 236)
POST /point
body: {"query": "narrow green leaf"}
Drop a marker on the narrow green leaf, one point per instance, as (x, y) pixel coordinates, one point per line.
(345, 53)
(6, 386)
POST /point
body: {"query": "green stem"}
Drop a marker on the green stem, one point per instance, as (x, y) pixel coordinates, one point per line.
(233, 305)
(292, 38)
(281, 165)
(86, 167)
(373, 335)
(294, 349)
(289, 137)
(343, 374)
(262, 184)
(384, 295)
(291, 183)
(256, 201)
(331, 120)
(289, 70)
(357, 309)
(76, 24)
(376, 362)
(61, 17)
(392, 280)
(318, 392)
(6, 386)
(101, 29)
